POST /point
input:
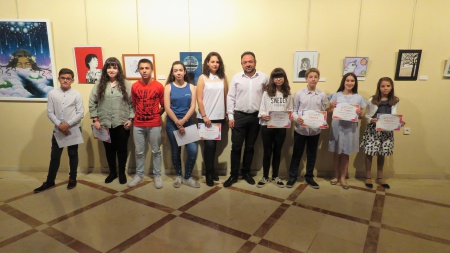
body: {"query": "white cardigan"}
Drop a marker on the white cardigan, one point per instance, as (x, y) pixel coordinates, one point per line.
(371, 109)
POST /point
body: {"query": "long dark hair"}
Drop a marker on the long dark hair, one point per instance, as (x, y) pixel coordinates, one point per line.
(220, 71)
(14, 58)
(171, 78)
(120, 79)
(272, 87)
(392, 99)
(342, 86)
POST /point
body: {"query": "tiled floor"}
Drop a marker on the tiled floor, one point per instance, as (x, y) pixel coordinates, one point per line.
(413, 216)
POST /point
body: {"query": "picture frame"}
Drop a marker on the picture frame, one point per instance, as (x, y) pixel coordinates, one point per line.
(193, 63)
(89, 63)
(408, 63)
(356, 65)
(304, 60)
(447, 68)
(130, 65)
(27, 62)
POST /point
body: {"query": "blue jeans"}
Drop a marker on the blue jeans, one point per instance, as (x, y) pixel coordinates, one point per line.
(191, 150)
(140, 137)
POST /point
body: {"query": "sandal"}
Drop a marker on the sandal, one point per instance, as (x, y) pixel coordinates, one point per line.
(368, 183)
(345, 185)
(334, 181)
(383, 183)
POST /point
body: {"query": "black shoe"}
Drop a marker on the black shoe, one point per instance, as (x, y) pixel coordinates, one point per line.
(290, 183)
(230, 181)
(215, 177)
(72, 183)
(209, 180)
(248, 178)
(110, 178)
(44, 186)
(122, 178)
(311, 182)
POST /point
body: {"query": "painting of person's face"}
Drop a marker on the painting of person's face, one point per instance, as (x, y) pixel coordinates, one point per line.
(23, 63)
(93, 64)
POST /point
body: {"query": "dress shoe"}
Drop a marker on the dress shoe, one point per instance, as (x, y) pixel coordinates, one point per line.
(215, 177)
(209, 180)
(122, 178)
(110, 178)
(248, 178)
(230, 181)
(72, 183)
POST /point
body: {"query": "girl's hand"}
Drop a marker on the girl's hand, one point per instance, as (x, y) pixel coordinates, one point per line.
(97, 125)
(207, 121)
(300, 120)
(291, 118)
(182, 130)
(327, 126)
(359, 112)
(180, 123)
(374, 120)
(127, 125)
(333, 104)
(403, 123)
(265, 117)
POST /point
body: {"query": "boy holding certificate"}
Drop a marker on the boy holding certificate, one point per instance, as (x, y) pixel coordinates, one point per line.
(310, 98)
(65, 110)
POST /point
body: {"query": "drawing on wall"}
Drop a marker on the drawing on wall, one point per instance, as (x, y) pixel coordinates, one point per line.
(89, 63)
(408, 63)
(27, 64)
(130, 65)
(356, 65)
(447, 68)
(193, 63)
(303, 60)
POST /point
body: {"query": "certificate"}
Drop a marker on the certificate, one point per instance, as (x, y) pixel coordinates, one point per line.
(210, 133)
(388, 122)
(314, 119)
(279, 119)
(190, 135)
(346, 111)
(68, 140)
(102, 133)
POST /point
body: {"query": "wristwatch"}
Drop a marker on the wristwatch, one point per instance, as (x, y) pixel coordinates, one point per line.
(94, 120)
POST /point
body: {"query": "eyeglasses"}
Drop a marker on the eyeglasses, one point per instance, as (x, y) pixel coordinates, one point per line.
(64, 79)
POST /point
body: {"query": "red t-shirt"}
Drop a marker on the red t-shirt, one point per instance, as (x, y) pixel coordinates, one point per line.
(147, 99)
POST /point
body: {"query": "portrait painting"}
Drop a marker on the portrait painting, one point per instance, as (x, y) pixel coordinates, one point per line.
(89, 63)
(356, 65)
(130, 65)
(408, 62)
(303, 60)
(193, 63)
(27, 64)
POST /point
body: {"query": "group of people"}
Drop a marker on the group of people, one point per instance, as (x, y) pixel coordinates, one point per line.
(246, 102)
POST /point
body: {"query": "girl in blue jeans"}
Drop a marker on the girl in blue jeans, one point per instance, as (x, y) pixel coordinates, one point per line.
(179, 104)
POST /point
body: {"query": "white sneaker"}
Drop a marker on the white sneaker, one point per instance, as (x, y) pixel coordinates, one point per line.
(135, 181)
(158, 182)
(177, 183)
(191, 182)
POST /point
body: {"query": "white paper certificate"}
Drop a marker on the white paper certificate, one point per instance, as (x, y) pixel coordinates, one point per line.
(346, 111)
(389, 122)
(210, 133)
(68, 140)
(279, 119)
(102, 133)
(314, 119)
(190, 135)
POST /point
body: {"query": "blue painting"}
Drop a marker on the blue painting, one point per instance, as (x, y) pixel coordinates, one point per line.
(193, 63)
(27, 67)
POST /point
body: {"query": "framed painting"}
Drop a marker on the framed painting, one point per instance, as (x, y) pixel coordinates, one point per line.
(408, 62)
(356, 65)
(89, 63)
(447, 68)
(193, 63)
(27, 63)
(130, 65)
(303, 60)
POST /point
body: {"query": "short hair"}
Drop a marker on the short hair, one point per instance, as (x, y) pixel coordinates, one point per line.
(64, 71)
(145, 60)
(312, 70)
(248, 53)
(88, 59)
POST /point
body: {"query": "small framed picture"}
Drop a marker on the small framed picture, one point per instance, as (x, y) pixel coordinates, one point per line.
(89, 63)
(447, 68)
(408, 63)
(356, 65)
(303, 60)
(130, 65)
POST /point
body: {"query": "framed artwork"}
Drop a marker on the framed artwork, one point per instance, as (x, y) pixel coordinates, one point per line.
(130, 65)
(408, 63)
(27, 63)
(89, 63)
(447, 68)
(304, 60)
(193, 63)
(356, 65)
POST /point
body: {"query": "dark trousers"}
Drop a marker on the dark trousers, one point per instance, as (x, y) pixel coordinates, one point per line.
(246, 128)
(55, 160)
(311, 143)
(117, 148)
(273, 139)
(209, 151)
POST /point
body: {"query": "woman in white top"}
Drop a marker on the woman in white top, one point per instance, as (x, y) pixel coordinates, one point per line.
(212, 89)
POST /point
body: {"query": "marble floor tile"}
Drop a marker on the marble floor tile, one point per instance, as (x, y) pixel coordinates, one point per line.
(37, 242)
(11, 227)
(435, 190)
(393, 242)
